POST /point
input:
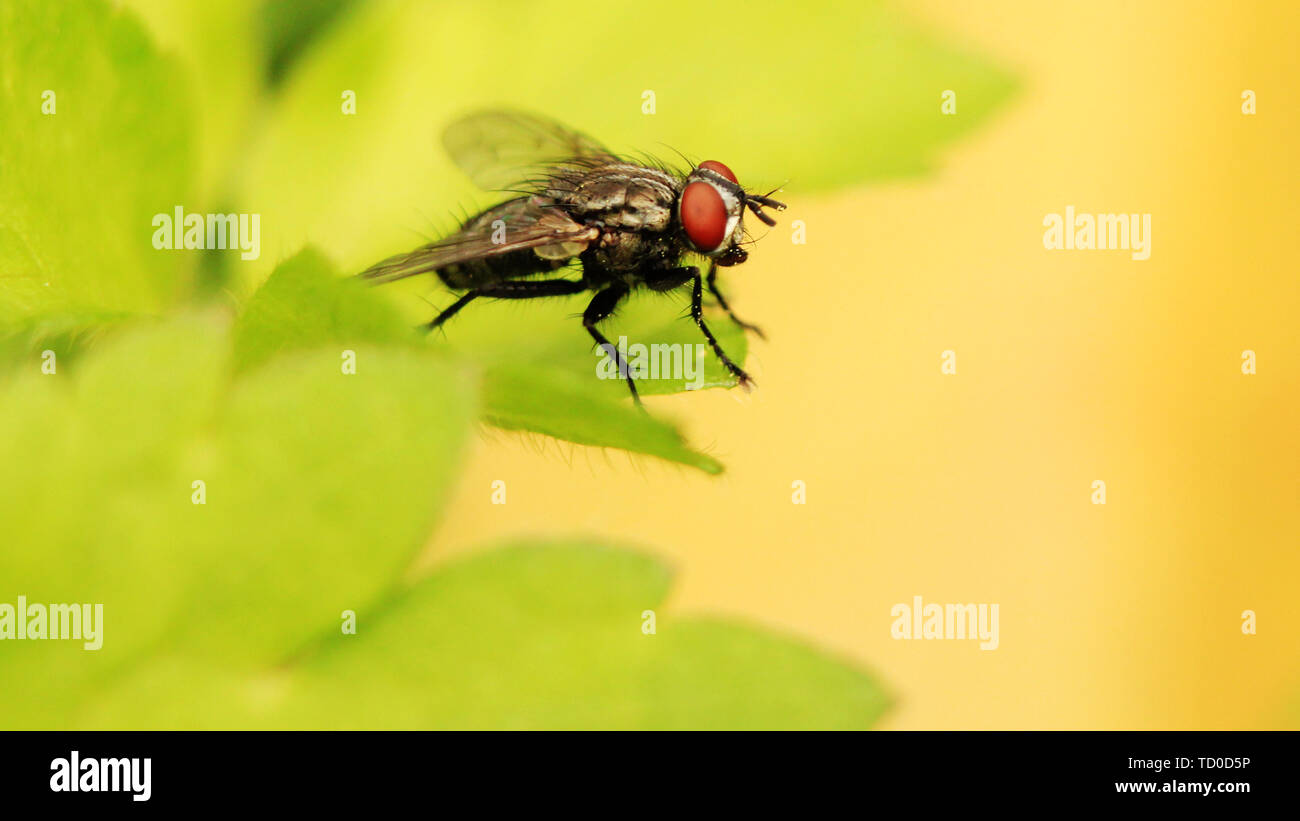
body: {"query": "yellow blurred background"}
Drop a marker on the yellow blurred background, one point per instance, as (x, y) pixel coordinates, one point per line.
(1072, 366)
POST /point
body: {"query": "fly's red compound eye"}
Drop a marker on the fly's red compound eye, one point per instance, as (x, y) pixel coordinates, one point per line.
(718, 168)
(704, 216)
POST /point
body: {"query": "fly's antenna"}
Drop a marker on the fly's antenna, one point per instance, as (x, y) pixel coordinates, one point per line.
(757, 208)
(757, 202)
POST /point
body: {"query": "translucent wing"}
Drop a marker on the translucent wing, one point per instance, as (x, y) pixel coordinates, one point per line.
(515, 225)
(499, 148)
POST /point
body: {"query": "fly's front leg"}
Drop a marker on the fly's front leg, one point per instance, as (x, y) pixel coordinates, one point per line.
(713, 289)
(697, 313)
(511, 289)
(601, 306)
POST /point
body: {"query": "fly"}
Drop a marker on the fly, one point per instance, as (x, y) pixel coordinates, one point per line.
(628, 224)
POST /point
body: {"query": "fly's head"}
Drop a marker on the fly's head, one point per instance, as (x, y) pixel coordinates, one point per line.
(711, 211)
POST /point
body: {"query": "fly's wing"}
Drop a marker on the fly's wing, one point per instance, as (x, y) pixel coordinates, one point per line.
(497, 149)
(516, 225)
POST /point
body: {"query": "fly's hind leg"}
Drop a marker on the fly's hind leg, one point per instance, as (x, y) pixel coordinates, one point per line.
(602, 305)
(451, 311)
(510, 289)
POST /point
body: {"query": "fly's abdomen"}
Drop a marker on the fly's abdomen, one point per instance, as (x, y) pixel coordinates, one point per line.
(484, 237)
(476, 273)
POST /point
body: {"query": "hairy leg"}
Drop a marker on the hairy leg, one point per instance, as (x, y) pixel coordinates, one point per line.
(602, 305)
(697, 313)
(510, 289)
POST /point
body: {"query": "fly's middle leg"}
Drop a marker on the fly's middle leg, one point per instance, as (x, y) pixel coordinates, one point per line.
(602, 305)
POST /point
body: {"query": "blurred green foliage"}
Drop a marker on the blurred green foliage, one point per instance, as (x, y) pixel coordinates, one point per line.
(544, 635)
(319, 486)
(79, 186)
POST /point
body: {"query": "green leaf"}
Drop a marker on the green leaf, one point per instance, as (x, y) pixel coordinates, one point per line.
(217, 45)
(79, 187)
(305, 304)
(544, 373)
(529, 636)
(319, 488)
(576, 409)
(821, 98)
(326, 486)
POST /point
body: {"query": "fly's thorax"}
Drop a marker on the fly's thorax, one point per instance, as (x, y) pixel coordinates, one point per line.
(619, 196)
